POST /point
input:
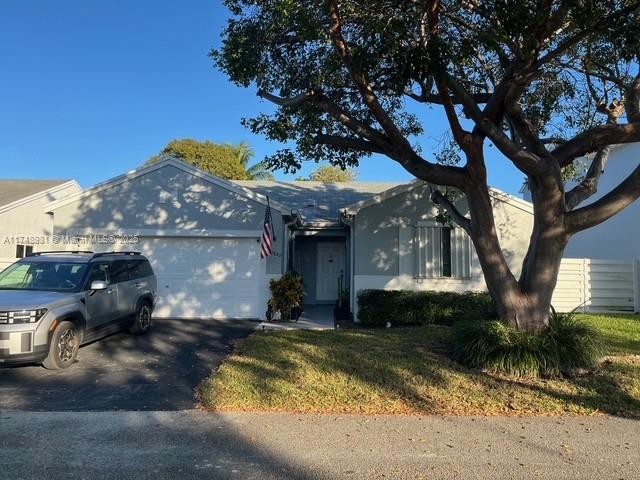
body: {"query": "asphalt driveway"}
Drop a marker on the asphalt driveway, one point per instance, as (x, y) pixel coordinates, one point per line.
(157, 371)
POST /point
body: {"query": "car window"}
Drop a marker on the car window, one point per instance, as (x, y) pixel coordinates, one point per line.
(133, 266)
(119, 271)
(55, 276)
(145, 268)
(99, 272)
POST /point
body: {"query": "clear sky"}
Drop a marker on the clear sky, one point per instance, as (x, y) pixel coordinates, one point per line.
(90, 89)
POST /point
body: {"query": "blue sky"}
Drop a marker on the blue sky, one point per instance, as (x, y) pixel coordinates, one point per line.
(90, 89)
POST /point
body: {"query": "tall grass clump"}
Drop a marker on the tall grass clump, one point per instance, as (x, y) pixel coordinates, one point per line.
(565, 346)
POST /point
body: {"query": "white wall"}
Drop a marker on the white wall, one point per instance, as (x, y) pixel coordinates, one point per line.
(619, 237)
(28, 218)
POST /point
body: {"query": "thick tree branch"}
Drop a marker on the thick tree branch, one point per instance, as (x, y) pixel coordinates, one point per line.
(526, 161)
(442, 201)
(461, 136)
(291, 102)
(589, 186)
(347, 143)
(360, 79)
(606, 207)
(595, 138)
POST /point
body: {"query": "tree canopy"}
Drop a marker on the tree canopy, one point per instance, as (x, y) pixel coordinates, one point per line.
(545, 81)
(222, 160)
(333, 174)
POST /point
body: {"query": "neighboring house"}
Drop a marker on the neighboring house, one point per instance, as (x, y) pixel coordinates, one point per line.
(202, 235)
(619, 237)
(23, 222)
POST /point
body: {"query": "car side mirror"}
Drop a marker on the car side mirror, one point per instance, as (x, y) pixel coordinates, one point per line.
(98, 285)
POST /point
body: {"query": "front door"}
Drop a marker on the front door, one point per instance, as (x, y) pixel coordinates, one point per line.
(331, 264)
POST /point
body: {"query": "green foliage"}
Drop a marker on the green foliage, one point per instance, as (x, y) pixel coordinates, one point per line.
(284, 47)
(566, 345)
(333, 174)
(404, 308)
(287, 293)
(222, 160)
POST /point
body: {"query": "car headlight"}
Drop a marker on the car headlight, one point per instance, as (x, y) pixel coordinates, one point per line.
(22, 316)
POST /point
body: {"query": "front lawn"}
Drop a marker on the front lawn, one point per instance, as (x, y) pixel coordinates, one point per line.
(407, 371)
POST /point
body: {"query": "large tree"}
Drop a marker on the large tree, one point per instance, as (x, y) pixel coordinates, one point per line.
(545, 81)
(222, 160)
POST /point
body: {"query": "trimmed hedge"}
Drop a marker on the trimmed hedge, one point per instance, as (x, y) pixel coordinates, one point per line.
(404, 308)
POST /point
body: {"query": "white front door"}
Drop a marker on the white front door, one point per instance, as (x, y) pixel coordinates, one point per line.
(331, 264)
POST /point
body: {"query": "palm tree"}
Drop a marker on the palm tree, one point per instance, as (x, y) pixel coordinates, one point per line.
(258, 171)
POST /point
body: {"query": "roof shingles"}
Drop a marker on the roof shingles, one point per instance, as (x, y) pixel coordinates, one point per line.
(317, 202)
(14, 190)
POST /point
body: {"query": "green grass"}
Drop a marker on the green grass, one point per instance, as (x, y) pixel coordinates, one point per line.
(408, 371)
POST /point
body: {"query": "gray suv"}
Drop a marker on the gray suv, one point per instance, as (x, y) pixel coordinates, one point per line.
(53, 302)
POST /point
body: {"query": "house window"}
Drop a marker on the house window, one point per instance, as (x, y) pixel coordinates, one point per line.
(23, 250)
(441, 252)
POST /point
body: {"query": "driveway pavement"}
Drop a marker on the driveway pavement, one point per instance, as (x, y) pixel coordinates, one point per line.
(192, 444)
(157, 371)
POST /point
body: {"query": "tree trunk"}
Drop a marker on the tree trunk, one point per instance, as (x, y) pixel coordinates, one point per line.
(524, 303)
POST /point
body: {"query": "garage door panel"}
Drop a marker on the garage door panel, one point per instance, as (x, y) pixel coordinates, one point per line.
(206, 277)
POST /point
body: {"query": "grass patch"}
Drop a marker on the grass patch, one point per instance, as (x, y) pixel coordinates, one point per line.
(408, 371)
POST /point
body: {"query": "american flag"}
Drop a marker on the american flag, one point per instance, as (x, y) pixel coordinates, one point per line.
(267, 233)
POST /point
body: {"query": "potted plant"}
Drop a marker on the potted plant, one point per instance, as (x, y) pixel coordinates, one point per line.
(286, 296)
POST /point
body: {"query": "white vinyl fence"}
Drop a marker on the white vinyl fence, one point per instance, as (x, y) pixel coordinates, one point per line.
(590, 285)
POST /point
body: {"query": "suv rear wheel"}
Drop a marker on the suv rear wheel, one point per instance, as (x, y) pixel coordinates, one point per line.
(64, 346)
(142, 320)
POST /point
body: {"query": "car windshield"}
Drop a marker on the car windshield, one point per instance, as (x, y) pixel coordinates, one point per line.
(52, 276)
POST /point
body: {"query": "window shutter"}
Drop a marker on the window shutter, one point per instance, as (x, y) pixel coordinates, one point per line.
(428, 252)
(460, 254)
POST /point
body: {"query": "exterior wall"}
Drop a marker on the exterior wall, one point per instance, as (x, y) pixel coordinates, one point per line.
(384, 243)
(170, 202)
(29, 219)
(619, 237)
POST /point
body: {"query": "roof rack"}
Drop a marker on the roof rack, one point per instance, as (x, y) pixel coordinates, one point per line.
(105, 254)
(59, 252)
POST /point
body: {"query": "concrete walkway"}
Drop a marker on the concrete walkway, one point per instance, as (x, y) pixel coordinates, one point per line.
(192, 444)
(314, 317)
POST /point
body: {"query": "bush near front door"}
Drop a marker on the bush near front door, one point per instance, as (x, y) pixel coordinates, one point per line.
(404, 308)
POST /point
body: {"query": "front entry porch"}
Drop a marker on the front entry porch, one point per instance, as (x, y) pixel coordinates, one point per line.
(321, 259)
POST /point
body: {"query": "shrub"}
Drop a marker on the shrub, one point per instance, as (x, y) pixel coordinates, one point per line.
(402, 307)
(566, 345)
(286, 294)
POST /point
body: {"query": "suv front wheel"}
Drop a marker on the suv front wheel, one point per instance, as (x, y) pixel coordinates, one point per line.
(142, 320)
(64, 346)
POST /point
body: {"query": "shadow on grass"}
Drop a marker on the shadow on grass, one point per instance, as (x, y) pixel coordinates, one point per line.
(401, 371)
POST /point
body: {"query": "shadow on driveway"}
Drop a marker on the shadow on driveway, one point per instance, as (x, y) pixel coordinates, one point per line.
(157, 371)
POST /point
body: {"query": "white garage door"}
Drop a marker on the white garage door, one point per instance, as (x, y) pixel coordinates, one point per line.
(206, 277)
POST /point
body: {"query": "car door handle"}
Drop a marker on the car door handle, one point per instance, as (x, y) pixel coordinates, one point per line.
(138, 285)
(109, 291)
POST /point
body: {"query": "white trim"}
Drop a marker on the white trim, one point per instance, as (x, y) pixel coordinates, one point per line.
(179, 164)
(38, 195)
(166, 232)
(392, 192)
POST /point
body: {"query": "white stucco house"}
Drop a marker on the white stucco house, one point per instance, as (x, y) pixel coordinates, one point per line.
(23, 219)
(202, 235)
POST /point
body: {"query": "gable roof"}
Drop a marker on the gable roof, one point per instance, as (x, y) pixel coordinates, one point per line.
(407, 187)
(179, 164)
(14, 190)
(14, 193)
(317, 203)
